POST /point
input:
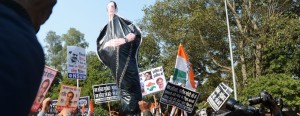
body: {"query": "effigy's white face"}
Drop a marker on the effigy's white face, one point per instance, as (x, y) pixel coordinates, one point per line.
(111, 9)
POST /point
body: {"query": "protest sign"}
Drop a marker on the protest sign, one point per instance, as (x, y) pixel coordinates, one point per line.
(48, 76)
(105, 92)
(183, 98)
(152, 81)
(218, 97)
(76, 62)
(68, 97)
(84, 101)
(52, 109)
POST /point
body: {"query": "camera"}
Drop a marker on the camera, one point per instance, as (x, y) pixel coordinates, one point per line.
(263, 97)
(234, 105)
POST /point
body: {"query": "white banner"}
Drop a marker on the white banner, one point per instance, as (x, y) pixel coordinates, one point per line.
(152, 81)
(219, 96)
(76, 61)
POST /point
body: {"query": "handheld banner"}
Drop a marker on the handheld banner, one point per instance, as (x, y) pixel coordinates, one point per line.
(183, 98)
(68, 97)
(219, 96)
(48, 77)
(83, 105)
(105, 92)
(152, 81)
(52, 107)
(76, 61)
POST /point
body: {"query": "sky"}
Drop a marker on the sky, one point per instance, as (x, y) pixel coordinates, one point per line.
(88, 17)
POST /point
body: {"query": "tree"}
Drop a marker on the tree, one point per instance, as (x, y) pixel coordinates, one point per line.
(149, 54)
(72, 38)
(265, 37)
(199, 27)
(54, 50)
(258, 24)
(278, 85)
(54, 58)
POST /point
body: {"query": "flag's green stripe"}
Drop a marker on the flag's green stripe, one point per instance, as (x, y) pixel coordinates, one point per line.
(179, 76)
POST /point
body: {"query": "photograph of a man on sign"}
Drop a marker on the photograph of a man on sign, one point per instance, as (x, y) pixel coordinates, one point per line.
(68, 97)
(48, 76)
(152, 81)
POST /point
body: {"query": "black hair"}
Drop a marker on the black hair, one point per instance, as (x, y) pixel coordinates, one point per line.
(115, 4)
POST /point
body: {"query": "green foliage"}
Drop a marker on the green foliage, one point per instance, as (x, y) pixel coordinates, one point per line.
(282, 51)
(100, 112)
(74, 38)
(196, 26)
(279, 85)
(149, 54)
(54, 50)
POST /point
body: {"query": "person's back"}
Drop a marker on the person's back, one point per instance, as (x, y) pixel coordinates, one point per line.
(22, 59)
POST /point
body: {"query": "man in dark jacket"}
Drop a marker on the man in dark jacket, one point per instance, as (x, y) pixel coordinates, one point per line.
(22, 59)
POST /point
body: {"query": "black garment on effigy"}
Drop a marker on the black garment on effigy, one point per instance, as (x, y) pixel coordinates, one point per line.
(122, 61)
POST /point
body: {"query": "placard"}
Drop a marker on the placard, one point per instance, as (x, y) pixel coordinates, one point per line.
(152, 81)
(84, 101)
(181, 97)
(105, 92)
(218, 97)
(48, 77)
(68, 97)
(76, 58)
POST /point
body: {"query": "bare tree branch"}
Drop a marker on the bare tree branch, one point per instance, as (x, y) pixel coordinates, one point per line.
(225, 68)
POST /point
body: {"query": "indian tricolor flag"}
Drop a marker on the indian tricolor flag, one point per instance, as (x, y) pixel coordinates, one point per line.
(183, 70)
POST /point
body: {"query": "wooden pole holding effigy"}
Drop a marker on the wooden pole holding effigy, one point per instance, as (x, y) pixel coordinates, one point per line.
(154, 100)
(109, 108)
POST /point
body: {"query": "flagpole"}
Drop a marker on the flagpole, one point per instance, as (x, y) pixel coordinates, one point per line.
(231, 56)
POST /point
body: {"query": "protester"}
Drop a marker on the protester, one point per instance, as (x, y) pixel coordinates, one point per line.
(22, 59)
(144, 107)
(117, 47)
(45, 107)
(65, 112)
